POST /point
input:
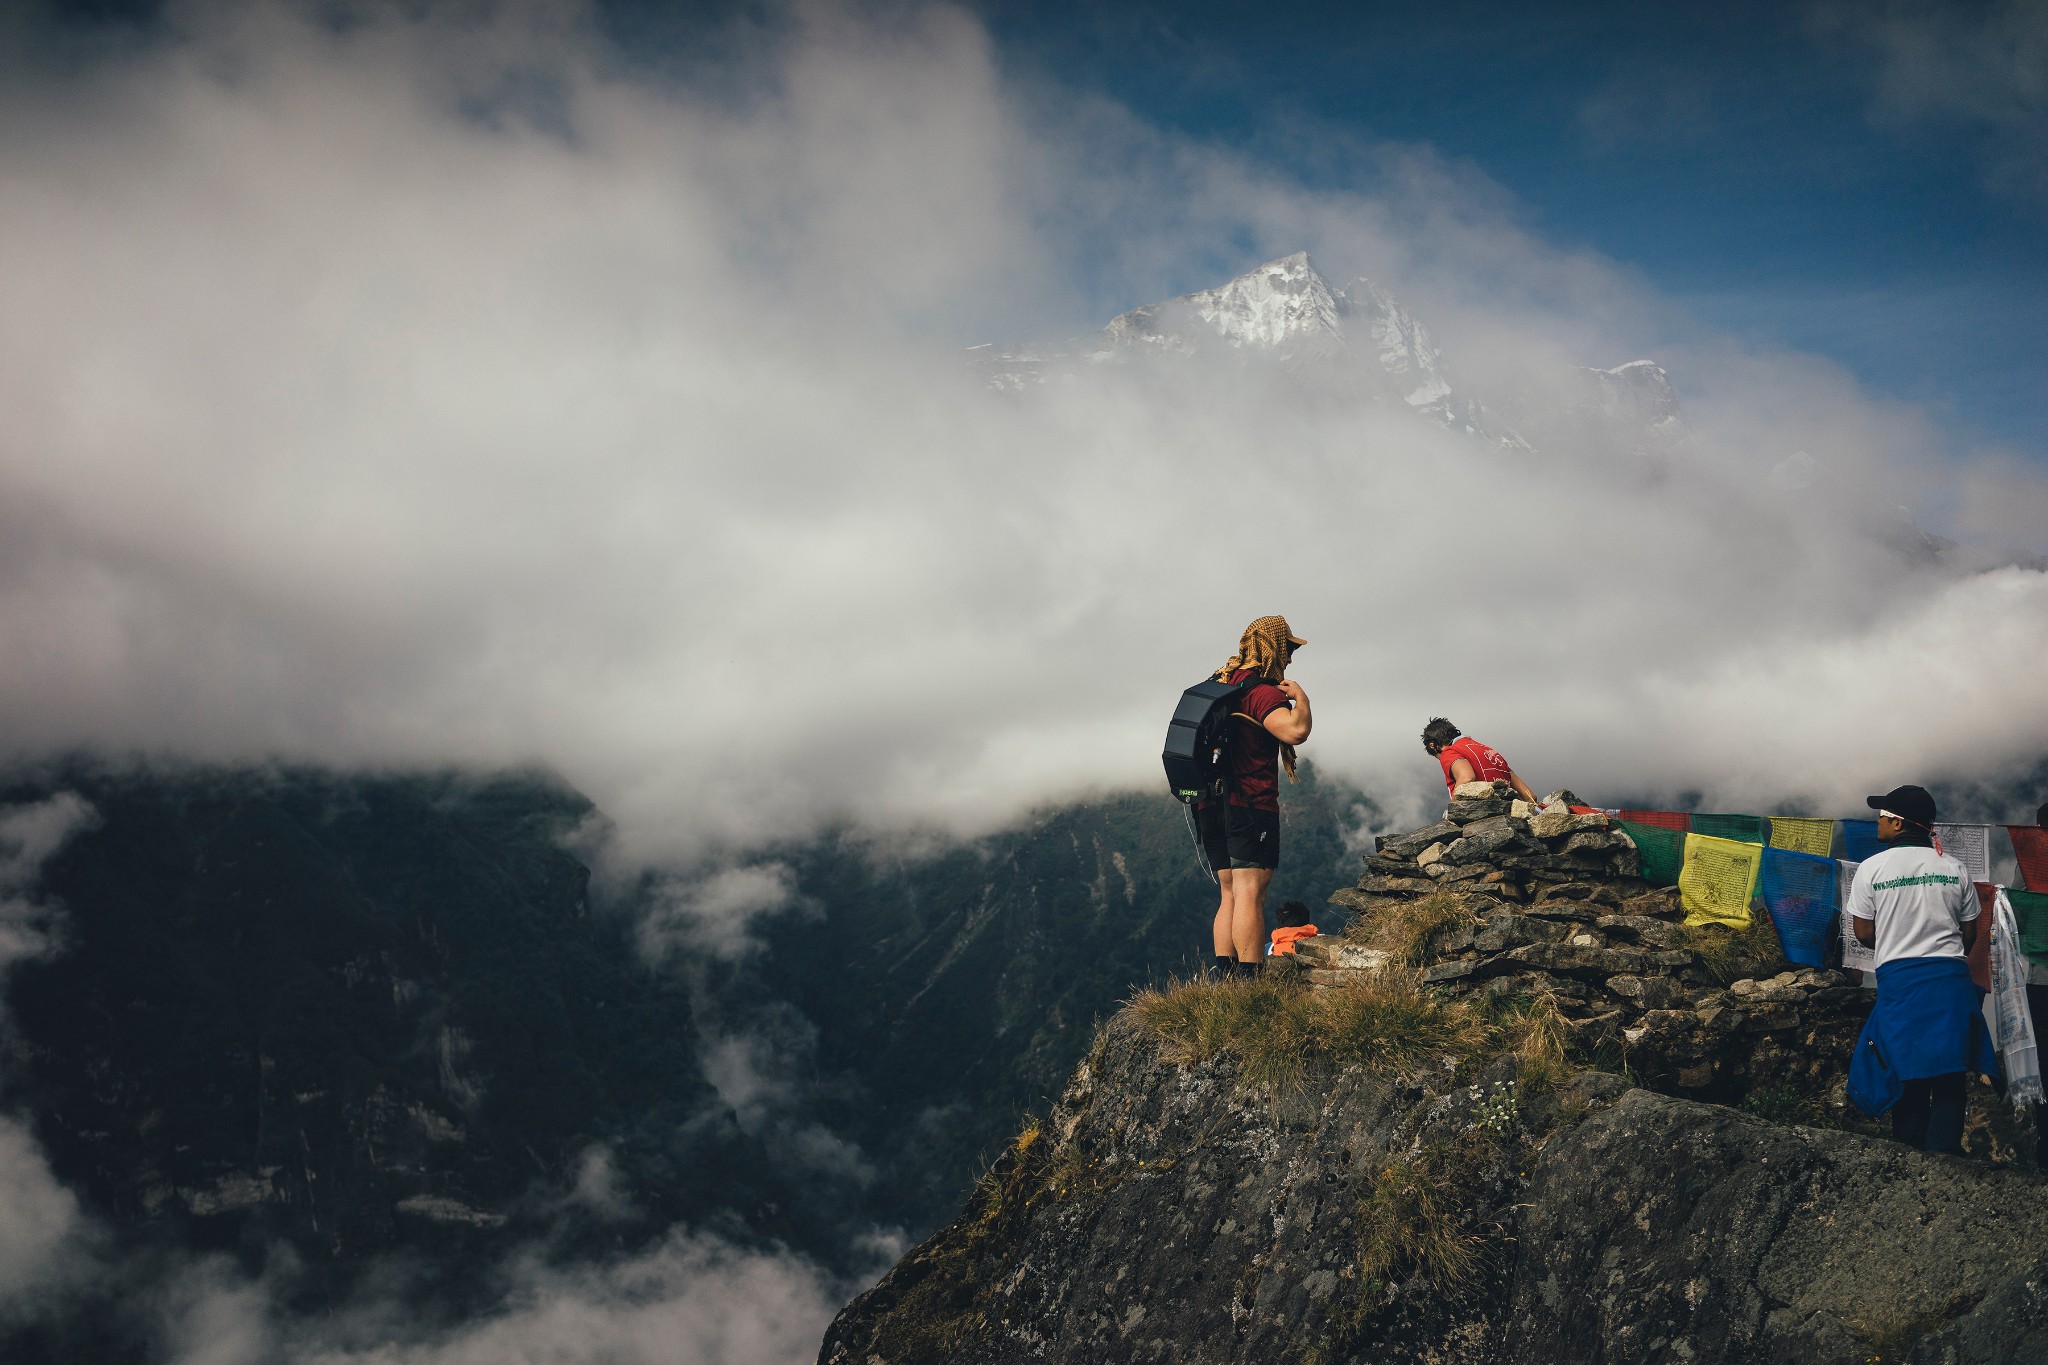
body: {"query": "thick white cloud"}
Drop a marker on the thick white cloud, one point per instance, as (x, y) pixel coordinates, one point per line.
(46, 1243)
(692, 1299)
(423, 390)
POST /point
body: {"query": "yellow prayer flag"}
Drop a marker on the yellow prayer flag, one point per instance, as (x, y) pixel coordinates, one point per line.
(1796, 834)
(1717, 880)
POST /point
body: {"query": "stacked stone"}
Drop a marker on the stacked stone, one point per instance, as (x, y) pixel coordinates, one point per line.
(1505, 847)
(1555, 905)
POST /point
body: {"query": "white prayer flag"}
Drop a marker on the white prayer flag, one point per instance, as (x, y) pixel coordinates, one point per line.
(1969, 845)
(1855, 956)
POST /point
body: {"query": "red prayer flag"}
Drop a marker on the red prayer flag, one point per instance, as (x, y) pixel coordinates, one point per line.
(2030, 847)
(1665, 819)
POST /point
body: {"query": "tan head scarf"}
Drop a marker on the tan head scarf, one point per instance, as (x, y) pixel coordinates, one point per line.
(1265, 648)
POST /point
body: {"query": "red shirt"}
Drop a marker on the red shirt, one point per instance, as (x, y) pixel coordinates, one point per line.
(1487, 764)
(1254, 753)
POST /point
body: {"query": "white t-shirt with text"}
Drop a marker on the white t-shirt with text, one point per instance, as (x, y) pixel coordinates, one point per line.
(1919, 900)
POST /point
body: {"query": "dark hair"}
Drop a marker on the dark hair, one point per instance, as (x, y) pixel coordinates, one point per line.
(1439, 731)
(1291, 914)
(2041, 815)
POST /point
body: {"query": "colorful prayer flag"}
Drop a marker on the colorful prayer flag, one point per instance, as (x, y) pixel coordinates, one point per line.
(1749, 829)
(1662, 850)
(1969, 845)
(2030, 849)
(1662, 819)
(1799, 891)
(1717, 880)
(2030, 908)
(1859, 840)
(1798, 834)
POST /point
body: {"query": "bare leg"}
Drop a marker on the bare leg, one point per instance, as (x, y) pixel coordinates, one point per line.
(1248, 911)
(1224, 910)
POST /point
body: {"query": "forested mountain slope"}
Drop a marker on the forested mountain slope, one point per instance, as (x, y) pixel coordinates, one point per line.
(365, 1015)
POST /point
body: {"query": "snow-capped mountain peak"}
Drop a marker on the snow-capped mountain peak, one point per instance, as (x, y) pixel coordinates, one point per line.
(1358, 335)
(1277, 307)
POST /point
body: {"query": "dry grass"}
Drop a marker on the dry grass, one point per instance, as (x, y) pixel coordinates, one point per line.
(1731, 954)
(945, 1305)
(1533, 1029)
(1415, 1216)
(1405, 930)
(1279, 1034)
(1010, 1173)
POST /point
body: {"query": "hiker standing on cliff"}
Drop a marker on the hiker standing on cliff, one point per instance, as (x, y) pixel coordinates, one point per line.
(1918, 910)
(1241, 833)
(1467, 760)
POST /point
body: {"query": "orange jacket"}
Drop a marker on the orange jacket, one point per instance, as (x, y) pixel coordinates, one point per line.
(1287, 936)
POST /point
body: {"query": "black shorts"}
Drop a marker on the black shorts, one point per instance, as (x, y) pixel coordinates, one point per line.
(1238, 836)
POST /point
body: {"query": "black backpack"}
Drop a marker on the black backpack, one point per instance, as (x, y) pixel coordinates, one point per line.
(1197, 754)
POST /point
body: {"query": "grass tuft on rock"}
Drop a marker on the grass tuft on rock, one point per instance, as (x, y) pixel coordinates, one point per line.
(944, 1292)
(1417, 1215)
(1533, 1029)
(1730, 954)
(1279, 1034)
(1406, 930)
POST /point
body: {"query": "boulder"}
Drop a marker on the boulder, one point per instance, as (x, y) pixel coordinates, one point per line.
(1647, 992)
(1552, 822)
(1597, 964)
(1410, 844)
(1650, 933)
(1481, 839)
(1596, 841)
(1465, 809)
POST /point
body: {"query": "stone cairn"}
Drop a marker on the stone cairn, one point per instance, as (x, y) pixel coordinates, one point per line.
(1553, 903)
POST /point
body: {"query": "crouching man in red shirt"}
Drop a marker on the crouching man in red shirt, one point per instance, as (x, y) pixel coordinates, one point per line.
(1467, 760)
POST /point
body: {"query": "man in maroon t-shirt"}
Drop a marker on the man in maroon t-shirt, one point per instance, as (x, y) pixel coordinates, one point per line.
(1242, 834)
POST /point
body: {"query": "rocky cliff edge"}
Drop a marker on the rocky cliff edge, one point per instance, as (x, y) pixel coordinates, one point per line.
(1433, 1143)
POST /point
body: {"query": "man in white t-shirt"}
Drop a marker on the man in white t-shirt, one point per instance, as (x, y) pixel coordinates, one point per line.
(1917, 909)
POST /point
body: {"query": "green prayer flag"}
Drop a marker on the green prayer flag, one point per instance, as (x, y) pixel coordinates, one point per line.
(1747, 829)
(2030, 908)
(1663, 851)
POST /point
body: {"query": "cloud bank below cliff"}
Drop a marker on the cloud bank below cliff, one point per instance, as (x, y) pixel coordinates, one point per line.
(421, 390)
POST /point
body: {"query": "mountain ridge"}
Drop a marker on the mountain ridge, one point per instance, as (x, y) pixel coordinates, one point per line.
(1287, 312)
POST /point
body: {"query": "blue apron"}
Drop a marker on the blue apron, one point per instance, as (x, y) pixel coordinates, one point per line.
(1929, 1021)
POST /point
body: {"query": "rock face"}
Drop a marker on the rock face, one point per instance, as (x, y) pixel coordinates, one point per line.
(1160, 1215)
(1665, 1230)
(956, 991)
(1473, 1210)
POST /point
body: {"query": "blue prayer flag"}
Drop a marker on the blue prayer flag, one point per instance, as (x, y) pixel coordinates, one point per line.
(1799, 891)
(1858, 840)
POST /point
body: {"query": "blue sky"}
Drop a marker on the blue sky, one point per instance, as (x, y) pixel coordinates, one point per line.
(1745, 159)
(1868, 182)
